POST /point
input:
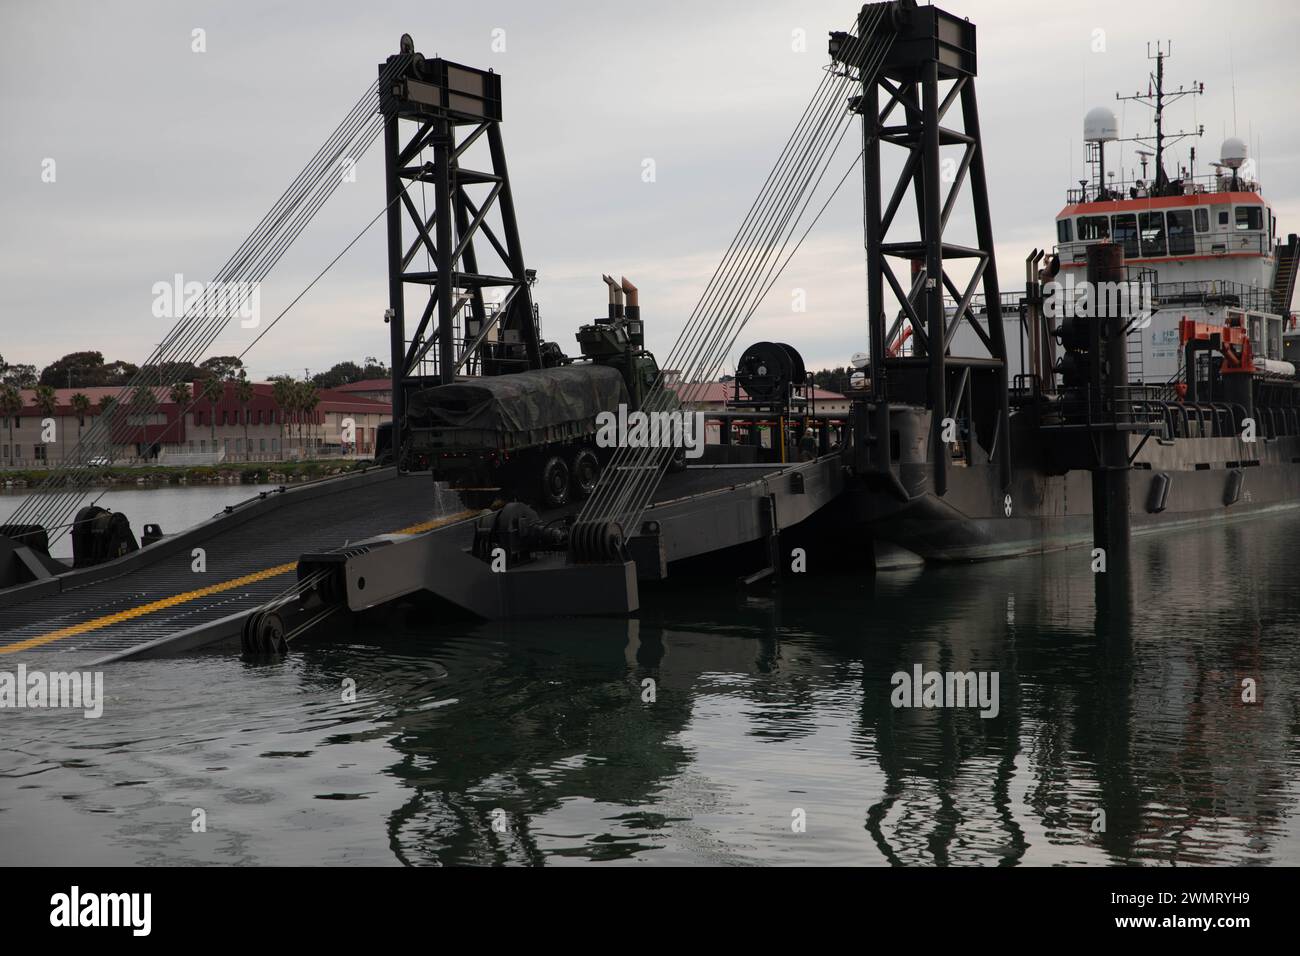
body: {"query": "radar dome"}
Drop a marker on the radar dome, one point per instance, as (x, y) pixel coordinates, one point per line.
(1232, 153)
(860, 360)
(1099, 126)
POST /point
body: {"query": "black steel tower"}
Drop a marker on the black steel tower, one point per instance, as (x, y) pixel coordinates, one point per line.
(907, 103)
(436, 112)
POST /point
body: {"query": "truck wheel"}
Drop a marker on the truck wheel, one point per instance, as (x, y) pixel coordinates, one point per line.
(584, 473)
(678, 462)
(555, 482)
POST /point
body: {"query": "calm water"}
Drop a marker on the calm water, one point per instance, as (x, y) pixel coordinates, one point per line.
(174, 507)
(765, 706)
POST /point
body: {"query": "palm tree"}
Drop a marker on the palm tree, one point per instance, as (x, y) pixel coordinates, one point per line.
(281, 394)
(244, 395)
(310, 399)
(214, 389)
(11, 404)
(47, 402)
(80, 408)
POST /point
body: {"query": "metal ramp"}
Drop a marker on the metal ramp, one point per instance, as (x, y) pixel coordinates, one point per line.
(250, 553)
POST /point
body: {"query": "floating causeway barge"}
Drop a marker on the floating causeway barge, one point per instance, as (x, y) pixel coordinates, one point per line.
(984, 423)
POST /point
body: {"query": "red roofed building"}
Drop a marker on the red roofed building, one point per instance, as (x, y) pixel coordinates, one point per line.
(199, 432)
(714, 397)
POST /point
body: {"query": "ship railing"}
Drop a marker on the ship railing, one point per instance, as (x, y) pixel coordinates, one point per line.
(1211, 183)
(1140, 408)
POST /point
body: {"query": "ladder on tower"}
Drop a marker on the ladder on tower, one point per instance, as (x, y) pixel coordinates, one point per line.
(1136, 373)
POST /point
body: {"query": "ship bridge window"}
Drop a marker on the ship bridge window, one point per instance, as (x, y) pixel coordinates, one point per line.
(1202, 220)
(1182, 239)
(1094, 227)
(1249, 217)
(1124, 230)
(1152, 225)
(1063, 230)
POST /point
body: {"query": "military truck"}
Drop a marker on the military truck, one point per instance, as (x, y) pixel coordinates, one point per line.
(531, 435)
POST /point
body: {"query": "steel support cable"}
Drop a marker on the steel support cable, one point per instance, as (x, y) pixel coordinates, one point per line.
(657, 460)
(626, 481)
(649, 476)
(716, 297)
(68, 500)
(626, 475)
(283, 312)
(748, 268)
(198, 338)
(632, 515)
(713, 351)
(823, 96)
(325, 161)
(165, 356)
(202, 338)
(327, 155)
(713, 361)
(749, 304)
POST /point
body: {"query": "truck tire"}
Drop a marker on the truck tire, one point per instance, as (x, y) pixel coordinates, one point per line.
(584, 472)
(677, 463)
(554, 482)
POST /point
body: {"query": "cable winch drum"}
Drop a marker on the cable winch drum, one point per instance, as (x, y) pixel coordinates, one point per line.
(767, 371)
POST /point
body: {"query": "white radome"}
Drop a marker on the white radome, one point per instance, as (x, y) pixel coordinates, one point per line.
(1233, 152)
(1099, 126)
(860, 360)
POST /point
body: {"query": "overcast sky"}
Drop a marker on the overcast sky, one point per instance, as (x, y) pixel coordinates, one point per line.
(165, 158)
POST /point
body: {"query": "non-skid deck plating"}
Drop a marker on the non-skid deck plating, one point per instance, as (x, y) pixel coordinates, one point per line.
(153, 601)
(249, 553)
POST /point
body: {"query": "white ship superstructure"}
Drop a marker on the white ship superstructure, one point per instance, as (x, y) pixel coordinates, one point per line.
(1205, 247)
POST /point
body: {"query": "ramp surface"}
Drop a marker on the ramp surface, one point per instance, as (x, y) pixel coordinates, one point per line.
(249, 555)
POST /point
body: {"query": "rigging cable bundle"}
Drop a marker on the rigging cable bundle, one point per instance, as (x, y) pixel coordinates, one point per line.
(751, 265)
(54, 501)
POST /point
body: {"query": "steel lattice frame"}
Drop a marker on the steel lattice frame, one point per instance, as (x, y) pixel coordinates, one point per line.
(441, 109)
(933, 50)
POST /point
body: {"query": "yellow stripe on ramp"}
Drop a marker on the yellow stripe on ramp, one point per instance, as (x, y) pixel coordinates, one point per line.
(184, 597)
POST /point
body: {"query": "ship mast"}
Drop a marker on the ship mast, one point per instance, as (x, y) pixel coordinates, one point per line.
(1158, 100)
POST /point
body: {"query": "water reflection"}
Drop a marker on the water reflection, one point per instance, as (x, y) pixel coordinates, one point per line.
(533, 743)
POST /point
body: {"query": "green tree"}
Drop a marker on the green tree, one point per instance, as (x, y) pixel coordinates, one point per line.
(19, 376)
(75, 370)
(178, 393)
(244, 395)
(11, 404)
(81, 408)
(310, 399)
(282, 395)
(47, 403)
(119, 373)
(222, 366)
